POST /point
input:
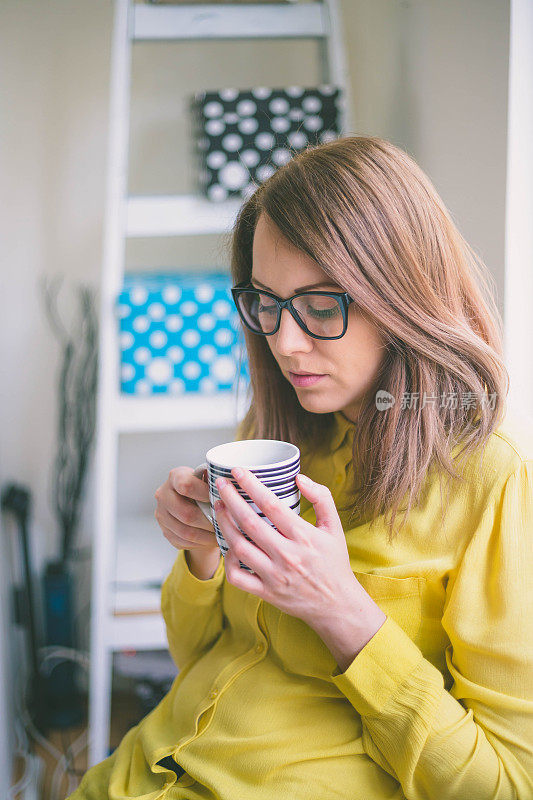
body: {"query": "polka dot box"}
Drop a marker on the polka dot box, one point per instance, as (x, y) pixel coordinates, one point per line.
(179, 332)
(244, 136)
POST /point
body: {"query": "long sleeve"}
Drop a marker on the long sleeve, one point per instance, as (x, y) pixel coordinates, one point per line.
(192, 610)
(474, 741)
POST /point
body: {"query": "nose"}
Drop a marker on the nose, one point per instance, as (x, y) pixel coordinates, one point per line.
(290, 337)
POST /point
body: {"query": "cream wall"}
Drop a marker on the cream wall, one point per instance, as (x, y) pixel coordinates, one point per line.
(430, 75)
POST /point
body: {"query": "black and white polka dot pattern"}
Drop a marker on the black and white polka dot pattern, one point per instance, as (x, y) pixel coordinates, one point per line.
(243, 136)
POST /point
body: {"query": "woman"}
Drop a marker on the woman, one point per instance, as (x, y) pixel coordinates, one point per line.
(362, 659)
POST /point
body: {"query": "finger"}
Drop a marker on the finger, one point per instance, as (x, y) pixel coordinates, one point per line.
(327, 516)
(185, 510)
(246, 551)
(241, 578)
(189, 534)
(188, 485)
(276, 510)
(251, 522)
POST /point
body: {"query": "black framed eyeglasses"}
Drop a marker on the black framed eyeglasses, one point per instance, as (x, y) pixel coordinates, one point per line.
(321, 314)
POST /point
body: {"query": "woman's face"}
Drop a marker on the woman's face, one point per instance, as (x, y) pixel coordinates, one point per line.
(349, 365)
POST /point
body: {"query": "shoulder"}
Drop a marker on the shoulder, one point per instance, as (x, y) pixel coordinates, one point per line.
(509, 445)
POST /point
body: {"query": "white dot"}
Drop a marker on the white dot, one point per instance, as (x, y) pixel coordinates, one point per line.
(228, 94)
(173, 323)
(264, 172)
(217, 192)
(248, 125)
(190, 338)
(279, 105)
(156, 310)
(191, 370)
(232, 142)
(231, 118)
(127, 372)
(248, 190)
(294, 91)
(224, 369)
(126, 340)
(204, 293)
(207, 353)
(213, 109)
(261, 92)
(214, 127)
(328, 136)
(175, 354)
(250, 157)
(223, 337)
(216, 159)
(281, 156)
(222, 309)
(171, 294)
(264, 141)
(297, 139)
(206, 322)
(296, 114)
(159, 370)
(143, 387)
(142, 355)
(207, 386)
(123, 311)
(311, 104)
(158, 339)
(280, 124)
(188, 308)
(233, 175)
(141, 324)
(246, 108)
(138, 296)
(313, 123)
(177, 386)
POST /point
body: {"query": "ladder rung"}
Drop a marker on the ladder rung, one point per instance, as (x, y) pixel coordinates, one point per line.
(179, 215)
(250, 21)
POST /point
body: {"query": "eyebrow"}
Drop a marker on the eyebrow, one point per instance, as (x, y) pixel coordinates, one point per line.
(301, 289)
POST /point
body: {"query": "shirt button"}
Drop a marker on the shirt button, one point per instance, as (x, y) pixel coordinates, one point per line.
(259, 647)
(214, 694)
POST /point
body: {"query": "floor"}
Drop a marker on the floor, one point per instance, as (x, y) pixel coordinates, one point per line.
(124, 714)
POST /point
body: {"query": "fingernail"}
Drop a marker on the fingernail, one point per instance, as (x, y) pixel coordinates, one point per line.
(237, 472)
(218, 505)
(221, 482)
(304, 480)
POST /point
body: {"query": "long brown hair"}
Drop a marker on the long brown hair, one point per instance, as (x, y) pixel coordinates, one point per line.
(371, 219)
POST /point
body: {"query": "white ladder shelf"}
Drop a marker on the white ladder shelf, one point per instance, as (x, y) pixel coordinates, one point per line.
(139, 216)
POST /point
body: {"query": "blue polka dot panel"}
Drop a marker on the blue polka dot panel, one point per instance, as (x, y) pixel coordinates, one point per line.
(243, 137)
(179, 332)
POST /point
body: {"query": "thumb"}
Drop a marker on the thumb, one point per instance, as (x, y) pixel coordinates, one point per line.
(322, 501)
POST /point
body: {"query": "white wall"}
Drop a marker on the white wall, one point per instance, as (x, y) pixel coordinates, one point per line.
(431, 76)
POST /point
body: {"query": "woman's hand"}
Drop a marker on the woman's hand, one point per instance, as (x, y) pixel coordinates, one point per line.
(302, 569)
(180, 519)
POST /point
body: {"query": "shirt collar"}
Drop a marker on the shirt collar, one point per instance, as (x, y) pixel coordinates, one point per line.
(342, 428)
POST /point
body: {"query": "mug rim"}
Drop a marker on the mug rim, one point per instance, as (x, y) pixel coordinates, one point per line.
(283, 462)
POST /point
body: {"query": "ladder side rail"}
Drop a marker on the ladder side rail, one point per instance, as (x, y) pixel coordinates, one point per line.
(334, 63)
(106, 455)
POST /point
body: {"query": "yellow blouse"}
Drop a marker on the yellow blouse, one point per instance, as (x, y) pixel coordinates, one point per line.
(438, 704)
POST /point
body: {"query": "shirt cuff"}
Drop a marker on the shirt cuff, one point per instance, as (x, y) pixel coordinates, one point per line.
(188, 587)
(379, 669)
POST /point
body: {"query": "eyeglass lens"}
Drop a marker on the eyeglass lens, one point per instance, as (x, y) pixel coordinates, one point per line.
(321, 313)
